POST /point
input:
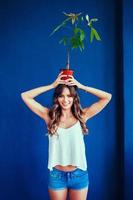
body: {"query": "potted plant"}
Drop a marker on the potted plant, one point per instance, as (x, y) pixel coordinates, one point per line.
(75, 26)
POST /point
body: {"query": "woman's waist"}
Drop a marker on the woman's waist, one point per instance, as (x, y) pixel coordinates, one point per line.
(66, 168)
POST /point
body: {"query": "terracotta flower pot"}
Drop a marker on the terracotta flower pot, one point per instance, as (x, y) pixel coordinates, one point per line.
(66, 72)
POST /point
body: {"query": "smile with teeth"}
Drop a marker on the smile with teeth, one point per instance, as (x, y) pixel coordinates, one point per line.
(65, 104)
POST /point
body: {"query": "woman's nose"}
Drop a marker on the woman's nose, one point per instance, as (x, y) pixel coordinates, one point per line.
(65, 99)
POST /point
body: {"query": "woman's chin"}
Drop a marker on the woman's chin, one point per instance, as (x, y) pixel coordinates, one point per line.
(65, 107)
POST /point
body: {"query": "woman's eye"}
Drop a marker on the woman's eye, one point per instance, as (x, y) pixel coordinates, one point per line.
(64, 96)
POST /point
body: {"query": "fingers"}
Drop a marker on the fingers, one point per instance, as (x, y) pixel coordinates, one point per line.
(63, 75)
(60, 78)
(70, 76)
(60, 74)
(66, 82)
(70, 82)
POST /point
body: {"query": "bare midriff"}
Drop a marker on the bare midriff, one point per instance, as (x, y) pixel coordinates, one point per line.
(66, 168)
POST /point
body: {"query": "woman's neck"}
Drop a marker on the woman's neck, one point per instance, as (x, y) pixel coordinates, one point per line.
(66, 114)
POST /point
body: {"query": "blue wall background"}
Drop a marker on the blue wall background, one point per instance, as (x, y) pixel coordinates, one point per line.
(29, 59)
(128, 92)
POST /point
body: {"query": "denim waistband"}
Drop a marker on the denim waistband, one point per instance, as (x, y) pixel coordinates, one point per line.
(74, 173)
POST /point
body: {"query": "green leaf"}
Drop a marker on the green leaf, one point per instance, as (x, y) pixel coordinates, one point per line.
(73, 20)
(74, 16)
(82, 18)
(95, 33)
(64, 40)
(91, 35)
(77, 39)
(94, 20)
(87, 18)
(74, 42)
(77, 43)
(90, 24)
(60, 26)
(91, 20)
(81, 46)
(80, 33)
(82, 36)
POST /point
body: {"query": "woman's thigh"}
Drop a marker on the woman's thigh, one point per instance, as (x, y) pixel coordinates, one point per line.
(78, 194)
(57, 185)
(58, 194)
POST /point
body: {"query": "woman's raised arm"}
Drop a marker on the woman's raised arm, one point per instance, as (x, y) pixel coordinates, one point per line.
(37, 108)
(95, 108)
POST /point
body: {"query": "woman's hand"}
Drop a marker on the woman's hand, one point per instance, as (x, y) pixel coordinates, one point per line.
(59, 80)
(72, 81)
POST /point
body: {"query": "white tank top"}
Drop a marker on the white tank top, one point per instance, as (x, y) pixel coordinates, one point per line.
(67, 147)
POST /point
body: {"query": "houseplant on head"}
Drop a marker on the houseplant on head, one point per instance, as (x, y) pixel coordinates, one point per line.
(75, 25)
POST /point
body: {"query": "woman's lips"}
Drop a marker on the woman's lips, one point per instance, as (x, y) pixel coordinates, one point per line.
(65, 104)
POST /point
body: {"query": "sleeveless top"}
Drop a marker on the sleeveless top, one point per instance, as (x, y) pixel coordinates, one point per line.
(67, 147)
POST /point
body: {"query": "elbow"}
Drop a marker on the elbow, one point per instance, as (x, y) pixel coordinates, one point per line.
(109, 97)
(23, 95)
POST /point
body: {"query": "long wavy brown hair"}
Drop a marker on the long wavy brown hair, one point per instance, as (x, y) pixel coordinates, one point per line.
(55, 110)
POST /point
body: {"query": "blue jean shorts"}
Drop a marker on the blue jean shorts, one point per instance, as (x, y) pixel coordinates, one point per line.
(76, 179)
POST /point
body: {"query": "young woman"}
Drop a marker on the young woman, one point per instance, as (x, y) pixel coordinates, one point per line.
(66, 120)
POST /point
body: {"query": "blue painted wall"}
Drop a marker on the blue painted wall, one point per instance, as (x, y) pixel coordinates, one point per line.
(29, 59)
(128, 92)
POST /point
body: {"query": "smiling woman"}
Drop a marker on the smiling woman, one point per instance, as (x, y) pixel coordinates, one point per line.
(65, 102)
(66, 122)
(65, 99)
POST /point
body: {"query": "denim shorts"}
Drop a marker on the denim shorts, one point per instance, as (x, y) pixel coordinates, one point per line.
(76, 179)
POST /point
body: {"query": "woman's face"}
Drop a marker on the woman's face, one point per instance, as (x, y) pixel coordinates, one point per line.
(65, 99)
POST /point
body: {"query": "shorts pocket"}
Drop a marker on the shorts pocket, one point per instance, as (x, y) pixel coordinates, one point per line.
(80, 173)
(55, 174)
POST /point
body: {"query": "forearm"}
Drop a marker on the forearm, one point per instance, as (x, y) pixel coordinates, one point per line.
(96, 92)
(37, 91)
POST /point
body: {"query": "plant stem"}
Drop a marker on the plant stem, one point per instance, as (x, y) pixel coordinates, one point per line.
(68, 60)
